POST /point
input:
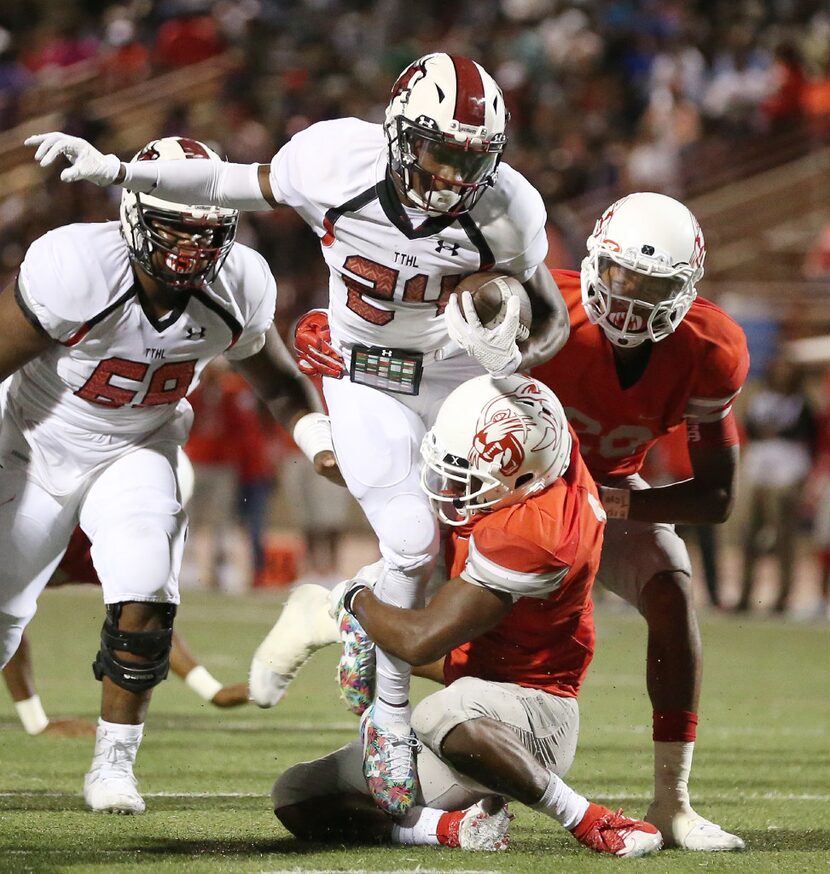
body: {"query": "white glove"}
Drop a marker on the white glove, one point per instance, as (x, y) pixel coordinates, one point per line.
(494, 348)
(85, 160)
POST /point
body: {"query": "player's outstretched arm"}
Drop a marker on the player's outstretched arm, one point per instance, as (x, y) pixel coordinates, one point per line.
(459, 612)
(292, 400)
(237, 186)
(705, 499)
(551, 325)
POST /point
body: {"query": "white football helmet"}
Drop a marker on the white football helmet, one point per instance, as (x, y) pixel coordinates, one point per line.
(644, 260)
(494, 443)
(445, 126)
(193, 240)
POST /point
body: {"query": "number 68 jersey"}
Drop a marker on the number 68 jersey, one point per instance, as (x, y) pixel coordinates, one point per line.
(392, 268)
(116, 375)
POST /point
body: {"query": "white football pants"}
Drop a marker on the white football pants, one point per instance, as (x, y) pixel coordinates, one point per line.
(132, 513)
(377, 438)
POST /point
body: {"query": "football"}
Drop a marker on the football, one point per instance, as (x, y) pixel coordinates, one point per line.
(490, 293)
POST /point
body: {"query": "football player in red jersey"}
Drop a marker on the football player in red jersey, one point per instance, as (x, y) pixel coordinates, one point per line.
(515, 622)
(645, 355)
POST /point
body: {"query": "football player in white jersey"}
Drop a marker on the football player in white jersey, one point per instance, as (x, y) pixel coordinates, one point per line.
(107, 330)
(403, 210)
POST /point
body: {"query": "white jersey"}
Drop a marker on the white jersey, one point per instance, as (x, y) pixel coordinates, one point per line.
(117, 376)
(391, 270)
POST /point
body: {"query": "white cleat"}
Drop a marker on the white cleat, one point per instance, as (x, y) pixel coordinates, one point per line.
(303, 627)
(110, 789)
(480, 831)
(687, 830)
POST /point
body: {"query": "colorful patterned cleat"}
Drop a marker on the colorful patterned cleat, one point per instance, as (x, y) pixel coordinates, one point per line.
(356, 668)
(603, 831)
(390, 765)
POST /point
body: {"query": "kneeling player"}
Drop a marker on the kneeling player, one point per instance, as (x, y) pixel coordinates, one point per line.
(514, 622)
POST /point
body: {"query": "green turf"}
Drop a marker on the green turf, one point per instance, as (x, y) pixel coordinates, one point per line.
(762, 766)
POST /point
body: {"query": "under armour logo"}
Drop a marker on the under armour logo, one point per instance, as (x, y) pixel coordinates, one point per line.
(193, 334)
(441, 245)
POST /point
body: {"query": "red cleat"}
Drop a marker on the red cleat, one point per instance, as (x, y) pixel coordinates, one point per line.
(607, 832)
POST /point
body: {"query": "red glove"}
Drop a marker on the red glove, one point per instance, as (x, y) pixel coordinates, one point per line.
(315, 355)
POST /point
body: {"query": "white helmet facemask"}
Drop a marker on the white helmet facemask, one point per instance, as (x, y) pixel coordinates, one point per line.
(644, 260)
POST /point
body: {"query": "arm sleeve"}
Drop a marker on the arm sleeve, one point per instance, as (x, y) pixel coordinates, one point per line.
(511, 564)
(235, 186)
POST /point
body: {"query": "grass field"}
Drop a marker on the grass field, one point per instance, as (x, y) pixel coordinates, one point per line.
(762, 766)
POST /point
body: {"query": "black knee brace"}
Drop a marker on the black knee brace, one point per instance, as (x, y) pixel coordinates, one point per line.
(151, 645)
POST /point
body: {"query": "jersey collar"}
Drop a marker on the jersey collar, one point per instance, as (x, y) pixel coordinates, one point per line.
(394, 211)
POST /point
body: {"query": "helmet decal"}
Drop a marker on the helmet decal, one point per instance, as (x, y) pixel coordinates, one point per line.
(402, 82)
(148, 153)
(497, 440)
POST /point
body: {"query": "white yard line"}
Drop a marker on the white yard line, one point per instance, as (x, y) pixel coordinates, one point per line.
(597, 793)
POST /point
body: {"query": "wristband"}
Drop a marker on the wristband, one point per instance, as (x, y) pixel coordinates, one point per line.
(313, 435)
(349, 597)
(615, 502)
(203, 683)
(32, 715)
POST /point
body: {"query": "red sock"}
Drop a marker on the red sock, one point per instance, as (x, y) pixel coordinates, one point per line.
(447, 830)
(670, 726)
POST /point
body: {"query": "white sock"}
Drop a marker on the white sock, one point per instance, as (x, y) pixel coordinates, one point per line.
(418, 828)
(561, 803)
(672, 766)
(108, 732)
(392, 675)
(391, 716)
(391, 678)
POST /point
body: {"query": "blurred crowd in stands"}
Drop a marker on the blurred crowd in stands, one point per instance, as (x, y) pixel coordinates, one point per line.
(615, 95)
(619, 95)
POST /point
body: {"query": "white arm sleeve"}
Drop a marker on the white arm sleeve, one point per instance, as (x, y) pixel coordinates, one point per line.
(235, 186)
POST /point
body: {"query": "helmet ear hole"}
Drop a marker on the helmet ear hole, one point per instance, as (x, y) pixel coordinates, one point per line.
(524, 479)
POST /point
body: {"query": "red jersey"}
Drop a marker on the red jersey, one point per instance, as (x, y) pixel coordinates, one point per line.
(545, 553)
(692, 375)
